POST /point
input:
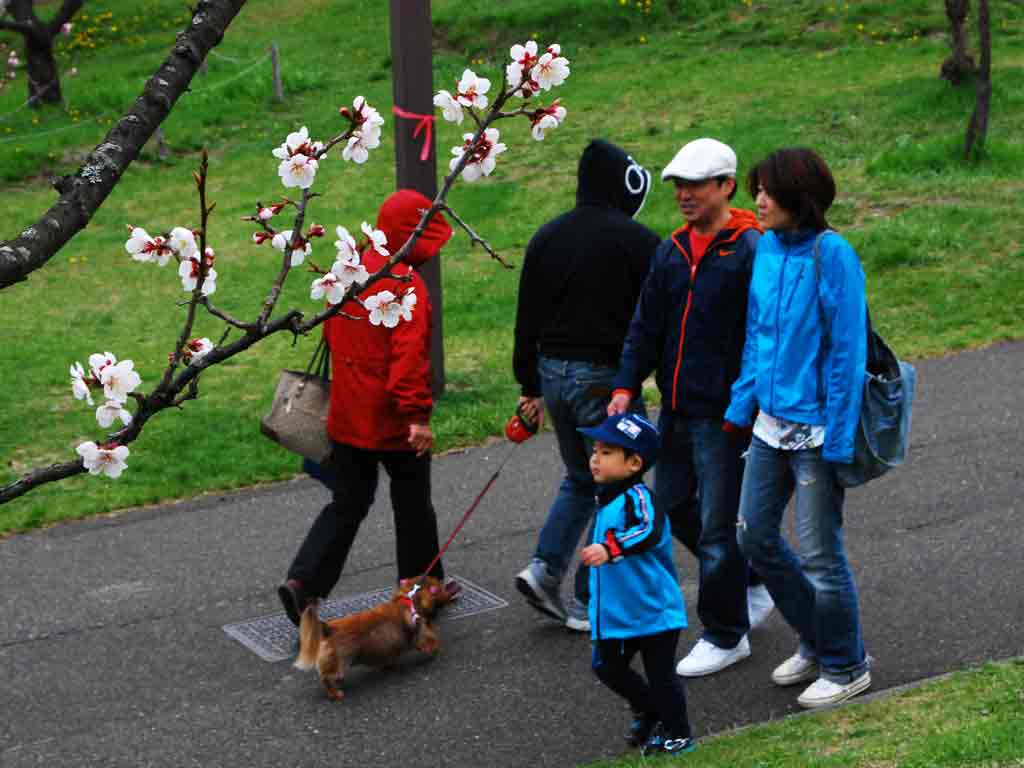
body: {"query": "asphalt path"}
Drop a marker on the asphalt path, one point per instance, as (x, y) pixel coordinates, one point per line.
(112, 651)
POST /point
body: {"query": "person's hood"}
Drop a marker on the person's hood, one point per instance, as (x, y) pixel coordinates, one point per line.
(607, 175)
(397, 219)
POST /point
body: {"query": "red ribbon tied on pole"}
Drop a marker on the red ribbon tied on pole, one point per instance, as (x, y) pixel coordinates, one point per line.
(425, 123)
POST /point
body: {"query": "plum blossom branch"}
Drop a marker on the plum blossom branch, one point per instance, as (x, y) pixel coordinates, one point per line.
(474, 237)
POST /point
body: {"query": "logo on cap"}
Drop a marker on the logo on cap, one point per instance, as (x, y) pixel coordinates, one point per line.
(630, 428)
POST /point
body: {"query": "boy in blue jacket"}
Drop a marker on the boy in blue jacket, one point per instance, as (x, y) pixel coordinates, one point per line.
(636, 605)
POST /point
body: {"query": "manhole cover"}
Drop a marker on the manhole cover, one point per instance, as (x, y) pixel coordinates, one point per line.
(275, 638)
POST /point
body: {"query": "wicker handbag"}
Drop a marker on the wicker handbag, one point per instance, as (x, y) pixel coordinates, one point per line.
(298, 416)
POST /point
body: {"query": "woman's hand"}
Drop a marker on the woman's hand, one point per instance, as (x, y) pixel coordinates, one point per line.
(420, 438)
(594, 555)
(533, 409)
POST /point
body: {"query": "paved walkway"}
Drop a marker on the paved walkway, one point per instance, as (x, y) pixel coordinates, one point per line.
(112, 652)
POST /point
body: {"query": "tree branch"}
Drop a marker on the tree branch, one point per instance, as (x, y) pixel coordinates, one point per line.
(84, 192)
(474, 237)
(64, 15)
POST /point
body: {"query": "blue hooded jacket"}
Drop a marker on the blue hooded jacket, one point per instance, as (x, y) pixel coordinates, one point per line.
(794, 367)
(637, 592)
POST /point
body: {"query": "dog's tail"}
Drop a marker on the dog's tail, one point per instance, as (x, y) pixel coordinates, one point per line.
(311, 632)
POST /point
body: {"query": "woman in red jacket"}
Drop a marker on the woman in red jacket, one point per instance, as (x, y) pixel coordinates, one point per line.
(379, 414)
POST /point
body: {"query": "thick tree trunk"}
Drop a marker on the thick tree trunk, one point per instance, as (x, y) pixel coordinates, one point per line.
(959, 65)
(84, 192)
(977, 128)
(41, 67)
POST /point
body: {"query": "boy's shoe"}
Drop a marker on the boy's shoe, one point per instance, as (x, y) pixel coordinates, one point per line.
(795, 669)
(822, 692)
(759, 605)
(659, 744)
(293, 598)
(707, 658)
(578, 618)
(540, 590)
(640, 729)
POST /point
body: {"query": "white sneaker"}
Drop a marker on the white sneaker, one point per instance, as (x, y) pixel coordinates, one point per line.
(578, 618)
(795, 669)
(822, 692)
(707, 658)
(759, 605)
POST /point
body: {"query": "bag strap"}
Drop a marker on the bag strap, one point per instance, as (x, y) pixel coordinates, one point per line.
(320, 363)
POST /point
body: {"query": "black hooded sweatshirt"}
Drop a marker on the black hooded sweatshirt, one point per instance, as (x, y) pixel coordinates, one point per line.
(583, 270)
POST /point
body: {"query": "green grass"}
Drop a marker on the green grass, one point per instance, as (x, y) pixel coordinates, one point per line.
(971, 718)
(940, 238)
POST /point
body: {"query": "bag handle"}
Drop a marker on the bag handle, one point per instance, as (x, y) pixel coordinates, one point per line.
(320, 363)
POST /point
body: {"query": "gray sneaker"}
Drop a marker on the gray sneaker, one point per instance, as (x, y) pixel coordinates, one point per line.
(579, 617)
(540, 590)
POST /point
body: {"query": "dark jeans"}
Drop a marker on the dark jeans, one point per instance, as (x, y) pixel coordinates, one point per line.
(322, 555)
(662, 693)
(697, 482)
(576, 394)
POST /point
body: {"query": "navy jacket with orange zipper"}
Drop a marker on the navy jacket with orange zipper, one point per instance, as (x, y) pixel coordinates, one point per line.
(690, 320)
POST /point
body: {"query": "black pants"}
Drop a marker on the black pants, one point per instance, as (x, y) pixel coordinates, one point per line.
(662, 693)
(322, 555)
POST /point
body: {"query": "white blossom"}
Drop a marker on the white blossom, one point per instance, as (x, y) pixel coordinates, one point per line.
(329, 286)
(345, 244)
(383, 309)
(377, 239)
(98, 361)
(552, 118)
(359, 145)
(119, 380)
(368, 119)
(297, 143)
(349, 270)
(451, 110)
(266, 214)
(144, 248)
(551, 69)
(183, 241)
(103, 461)
(298, 171)
(111, 410)
(188, 271)
(408, 302)
(482, 154)
(79, 387)
(283, 239)
(523, 59)
(197, 349)
(472, 89)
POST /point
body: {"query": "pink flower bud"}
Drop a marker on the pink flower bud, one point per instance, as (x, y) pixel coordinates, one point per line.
(316, 230)
(261, 237)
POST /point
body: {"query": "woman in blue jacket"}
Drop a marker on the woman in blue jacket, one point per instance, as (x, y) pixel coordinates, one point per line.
(803, 375)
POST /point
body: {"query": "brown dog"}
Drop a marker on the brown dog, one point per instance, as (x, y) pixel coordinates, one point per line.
(377, 636)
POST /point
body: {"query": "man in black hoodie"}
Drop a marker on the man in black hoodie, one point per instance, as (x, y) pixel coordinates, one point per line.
(580, 281)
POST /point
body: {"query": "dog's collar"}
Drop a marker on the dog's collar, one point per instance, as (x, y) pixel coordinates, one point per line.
(407, 600)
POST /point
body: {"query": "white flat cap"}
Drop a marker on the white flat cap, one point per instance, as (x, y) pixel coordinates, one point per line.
(701, 159)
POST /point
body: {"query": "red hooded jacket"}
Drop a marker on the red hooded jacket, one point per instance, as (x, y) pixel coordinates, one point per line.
(380, 377)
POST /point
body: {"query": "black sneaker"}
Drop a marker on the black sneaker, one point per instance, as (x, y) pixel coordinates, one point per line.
(293, 598)
(640, 729)
(659, 744)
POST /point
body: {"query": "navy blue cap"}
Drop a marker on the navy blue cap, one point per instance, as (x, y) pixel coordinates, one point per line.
(631, 431)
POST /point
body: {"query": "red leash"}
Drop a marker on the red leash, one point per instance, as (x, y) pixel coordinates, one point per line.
(469, 512)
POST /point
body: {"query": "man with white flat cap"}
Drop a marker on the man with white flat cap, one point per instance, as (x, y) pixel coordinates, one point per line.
(689, 325)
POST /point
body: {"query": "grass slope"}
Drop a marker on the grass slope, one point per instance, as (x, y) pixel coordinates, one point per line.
(940, 239)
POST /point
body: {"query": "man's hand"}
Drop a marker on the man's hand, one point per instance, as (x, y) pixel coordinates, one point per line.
(533, 409)
(619, 404)
(594, 555)
(420, 438)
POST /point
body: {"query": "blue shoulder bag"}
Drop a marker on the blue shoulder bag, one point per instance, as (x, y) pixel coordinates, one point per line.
(883, 434)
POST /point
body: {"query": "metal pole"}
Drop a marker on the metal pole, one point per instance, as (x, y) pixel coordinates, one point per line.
(275, 63)
(413, 81)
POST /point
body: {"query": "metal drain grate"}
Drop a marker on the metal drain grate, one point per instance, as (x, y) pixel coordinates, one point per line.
(275, 638)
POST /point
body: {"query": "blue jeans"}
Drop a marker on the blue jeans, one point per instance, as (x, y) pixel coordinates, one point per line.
(576, 394)
(697, 484)
(814, 590)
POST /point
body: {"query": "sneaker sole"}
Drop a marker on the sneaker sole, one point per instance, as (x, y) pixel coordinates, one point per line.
(860, 685)
(577, 625)
(526, 589)
(811, 673)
